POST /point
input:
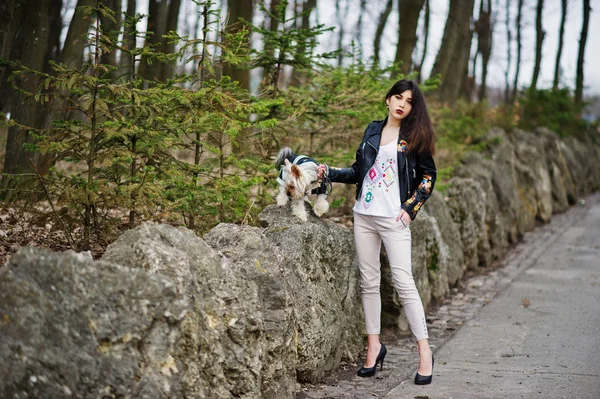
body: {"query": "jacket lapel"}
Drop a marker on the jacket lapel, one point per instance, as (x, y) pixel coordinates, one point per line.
(374, 134)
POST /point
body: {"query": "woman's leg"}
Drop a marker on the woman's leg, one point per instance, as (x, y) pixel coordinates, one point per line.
(397, 241)
(368, 248)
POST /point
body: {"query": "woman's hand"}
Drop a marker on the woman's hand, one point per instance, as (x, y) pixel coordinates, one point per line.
(320, 170)
(404, 218)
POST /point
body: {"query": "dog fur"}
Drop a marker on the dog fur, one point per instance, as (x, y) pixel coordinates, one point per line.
(296, 181)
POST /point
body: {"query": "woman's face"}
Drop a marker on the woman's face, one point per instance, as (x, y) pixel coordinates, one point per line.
(400, 105)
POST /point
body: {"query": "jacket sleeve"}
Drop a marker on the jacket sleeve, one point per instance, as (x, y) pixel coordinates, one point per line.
(426, 167)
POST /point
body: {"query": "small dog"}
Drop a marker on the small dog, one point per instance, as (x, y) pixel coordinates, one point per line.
(298, 178)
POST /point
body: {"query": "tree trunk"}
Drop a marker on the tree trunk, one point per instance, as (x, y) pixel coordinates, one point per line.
(409, 11)
(518, 64)
(72, 55)
(72, 52)
(308, 6)
(157, 16)
(419, 67)
(32, 37)
(166, 69)
(539, 36)
(359, 28)
(342, 17)
(379, 32)
(508, 55)
(466, 81)
(12, 14)
(580, 57)
(561, 34)
(127, 62)
(56, 24)
(484, 42)
(451, 61)
(111, 29)
(238, 9)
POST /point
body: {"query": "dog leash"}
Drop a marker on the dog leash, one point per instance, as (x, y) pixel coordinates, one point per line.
(326, 186)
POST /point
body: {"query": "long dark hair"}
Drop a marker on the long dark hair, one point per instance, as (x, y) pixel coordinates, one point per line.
(417, 125)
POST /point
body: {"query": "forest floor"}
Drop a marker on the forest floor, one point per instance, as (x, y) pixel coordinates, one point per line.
(19, 227)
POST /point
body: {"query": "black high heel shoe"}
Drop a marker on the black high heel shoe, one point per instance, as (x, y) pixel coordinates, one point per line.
(425, 379)
(370, 371)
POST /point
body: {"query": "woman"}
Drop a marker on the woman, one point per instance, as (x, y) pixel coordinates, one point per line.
(394, 175)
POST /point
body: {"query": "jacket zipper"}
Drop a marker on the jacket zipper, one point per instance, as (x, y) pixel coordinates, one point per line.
(376, 150)
(407, 180)
(363, 149)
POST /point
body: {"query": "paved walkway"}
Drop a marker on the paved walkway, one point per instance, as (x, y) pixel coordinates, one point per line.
(528, 330)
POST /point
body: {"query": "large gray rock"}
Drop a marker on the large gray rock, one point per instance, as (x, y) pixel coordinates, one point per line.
(533, 174)
(308, 282)
(223, 341)
(72, 327)
(582, 157)
(467, 204)
(479, 169)
(505, 181)
(437, 207)
(563, 186)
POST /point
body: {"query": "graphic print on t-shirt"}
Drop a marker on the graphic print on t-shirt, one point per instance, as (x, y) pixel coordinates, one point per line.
(389, 174)
(381, 175)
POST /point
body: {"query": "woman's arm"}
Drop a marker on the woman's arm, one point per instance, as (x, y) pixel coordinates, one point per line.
(344, 175)
(425, 164)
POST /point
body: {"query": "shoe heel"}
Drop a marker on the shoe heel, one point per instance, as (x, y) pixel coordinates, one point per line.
(382, 354)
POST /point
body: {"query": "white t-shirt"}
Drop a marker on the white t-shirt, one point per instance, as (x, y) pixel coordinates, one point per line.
(380, 195)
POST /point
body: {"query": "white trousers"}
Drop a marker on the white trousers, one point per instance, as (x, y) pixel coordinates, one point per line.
(369, 232)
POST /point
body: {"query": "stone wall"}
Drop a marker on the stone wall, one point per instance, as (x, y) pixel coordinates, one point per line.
(248, 312)
(163, 314)
(494, 197)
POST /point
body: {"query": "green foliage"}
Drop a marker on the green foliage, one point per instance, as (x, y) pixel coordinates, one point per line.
(555, 110)
(121, 145)
(286, 46)
(197, 149)
(458, 130)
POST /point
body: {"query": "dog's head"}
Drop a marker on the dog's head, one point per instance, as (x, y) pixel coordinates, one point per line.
(298, 179)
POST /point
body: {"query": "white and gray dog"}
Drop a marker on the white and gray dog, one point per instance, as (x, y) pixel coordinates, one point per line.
(298, 178)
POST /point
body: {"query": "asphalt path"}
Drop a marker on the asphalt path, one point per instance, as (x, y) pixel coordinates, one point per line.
(539, 337)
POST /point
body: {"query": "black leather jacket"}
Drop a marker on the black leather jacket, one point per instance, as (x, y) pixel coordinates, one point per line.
(416, 172)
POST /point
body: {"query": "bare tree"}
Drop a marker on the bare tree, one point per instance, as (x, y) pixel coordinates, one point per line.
(343, 16)
(539, 39)
(171, 25)
(518, 63)
(580, 57)
(162, 18)
(127, 63)
(111, 28)
(408, 20)
(419, 67)
(359, 25)
(72, 52)
(561, 34)
(452, 59)
(508, 54)
(307, 7)
(379, 32)
(31, 42)
(483, 27)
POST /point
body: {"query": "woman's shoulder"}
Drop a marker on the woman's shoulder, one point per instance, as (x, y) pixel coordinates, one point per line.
(375, 125)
